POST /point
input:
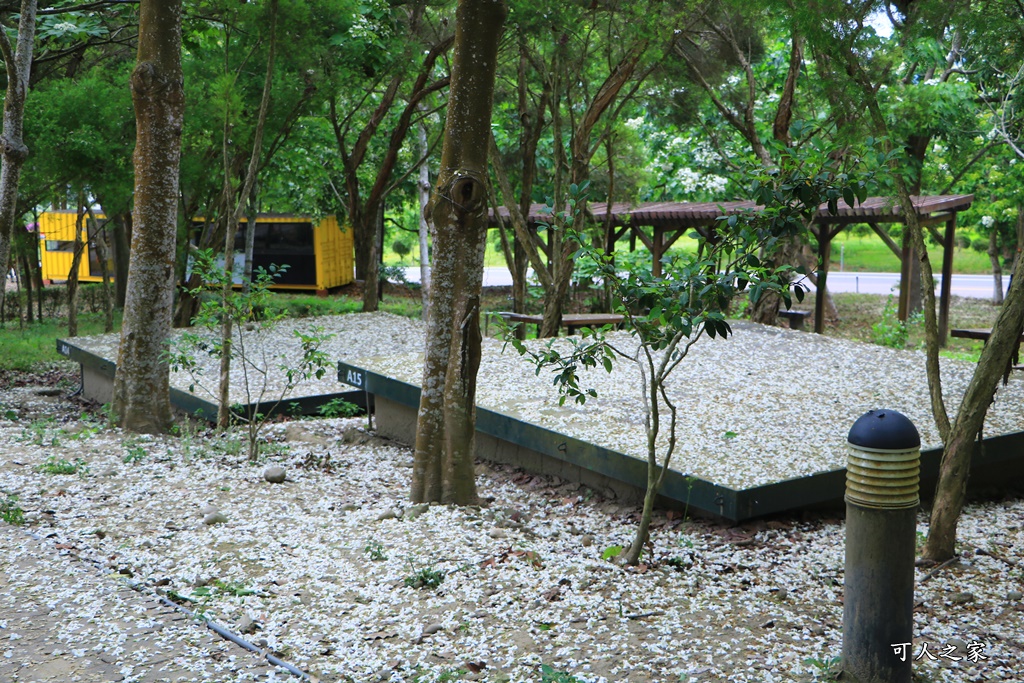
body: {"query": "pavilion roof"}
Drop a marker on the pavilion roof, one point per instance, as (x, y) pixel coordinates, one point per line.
(681, 215)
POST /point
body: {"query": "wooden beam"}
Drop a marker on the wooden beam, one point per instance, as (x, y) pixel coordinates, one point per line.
(673, 237)
(824, 255)
(657, 251)
(648, 242)
(905, 270)
(947, 278)
(889, 241)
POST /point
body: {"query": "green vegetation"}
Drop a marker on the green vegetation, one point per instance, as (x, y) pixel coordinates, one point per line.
(551, 675)
(55, 465)
(34, 345)
(339, 407)
(10, 511)
(376, 551)
(428, 577)
(890, 330)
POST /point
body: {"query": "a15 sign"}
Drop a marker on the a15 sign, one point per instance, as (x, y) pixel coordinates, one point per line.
(355, 377)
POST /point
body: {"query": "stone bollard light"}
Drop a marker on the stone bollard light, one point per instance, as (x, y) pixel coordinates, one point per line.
(882, 483)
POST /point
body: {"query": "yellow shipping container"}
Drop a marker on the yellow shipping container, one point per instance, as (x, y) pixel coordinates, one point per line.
(57, 247)
(319, 257)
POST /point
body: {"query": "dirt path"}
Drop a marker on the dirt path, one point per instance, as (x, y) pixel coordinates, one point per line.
(62, 620)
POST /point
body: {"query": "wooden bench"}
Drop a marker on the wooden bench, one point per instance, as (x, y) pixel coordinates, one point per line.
(573, 322)
(983, 335)
(795, 317)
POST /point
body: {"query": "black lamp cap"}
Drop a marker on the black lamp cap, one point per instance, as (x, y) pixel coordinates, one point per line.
(885, 430)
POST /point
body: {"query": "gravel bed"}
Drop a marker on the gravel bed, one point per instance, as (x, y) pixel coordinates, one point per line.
(766, 405)
(318, 565)
(350, 337)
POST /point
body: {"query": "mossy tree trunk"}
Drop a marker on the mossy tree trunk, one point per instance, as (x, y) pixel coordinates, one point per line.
(18, 64)
(961, 442)
(443, 466)
(141, 383)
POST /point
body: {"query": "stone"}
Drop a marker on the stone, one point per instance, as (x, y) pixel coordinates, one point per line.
(587, 540)
(496, 533)
(209, 510)
(247, 625)
(1015, 596)
(275, 474)
(959, 645)
(432, 629)
(108, 472)
(349, 507)
(215, 518)
(417, 510)
(961, 598)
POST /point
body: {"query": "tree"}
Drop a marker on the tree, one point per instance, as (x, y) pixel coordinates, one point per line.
(234, 209)
(18, 63)
(864, 67)
(584, 78)
(666, 316)
(961, 440)
(446, 425)
(141, 383)
(391, 87)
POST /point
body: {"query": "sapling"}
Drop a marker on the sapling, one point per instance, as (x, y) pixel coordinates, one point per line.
(667, 315)
(253, 317)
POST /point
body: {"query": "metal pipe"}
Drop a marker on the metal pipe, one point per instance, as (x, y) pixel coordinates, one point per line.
(210, 624)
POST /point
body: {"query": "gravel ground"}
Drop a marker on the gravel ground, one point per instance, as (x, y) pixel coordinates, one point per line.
(765, 405)
(318, 568)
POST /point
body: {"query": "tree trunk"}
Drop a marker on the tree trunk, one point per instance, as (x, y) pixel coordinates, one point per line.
(25, 282)
(423, 193)
(235, 210)
(372, 283)
(120, 235)
(446, 426)
(997, 269)
(250, 239)
(76, 266)
(960, 444)
(99, 234)
(141, 382)
(18, 63)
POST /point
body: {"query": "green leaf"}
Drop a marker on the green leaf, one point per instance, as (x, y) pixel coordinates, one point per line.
(849, 197)
(611, 552)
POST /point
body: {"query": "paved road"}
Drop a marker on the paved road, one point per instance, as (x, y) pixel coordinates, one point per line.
(978, 286)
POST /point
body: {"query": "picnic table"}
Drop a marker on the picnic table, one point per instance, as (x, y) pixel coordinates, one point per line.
(983, 335)
(573, 322)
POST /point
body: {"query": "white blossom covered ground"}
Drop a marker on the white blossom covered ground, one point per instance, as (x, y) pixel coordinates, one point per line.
(766, 405)
(316, 568)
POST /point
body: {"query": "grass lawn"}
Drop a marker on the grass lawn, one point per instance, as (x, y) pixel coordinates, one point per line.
(861, 253)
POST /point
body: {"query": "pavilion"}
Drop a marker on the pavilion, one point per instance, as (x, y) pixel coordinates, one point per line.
(659, 224)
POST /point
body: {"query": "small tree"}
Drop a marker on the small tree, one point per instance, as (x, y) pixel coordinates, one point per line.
(667, 315)
(267, 378)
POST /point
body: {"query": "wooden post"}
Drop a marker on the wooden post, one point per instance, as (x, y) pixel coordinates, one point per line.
(905, 273)
(882, 482)
(947, 278)
(824, 254)
(658, 251)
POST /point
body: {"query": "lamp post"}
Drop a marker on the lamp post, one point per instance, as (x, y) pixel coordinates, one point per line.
(882, 486)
